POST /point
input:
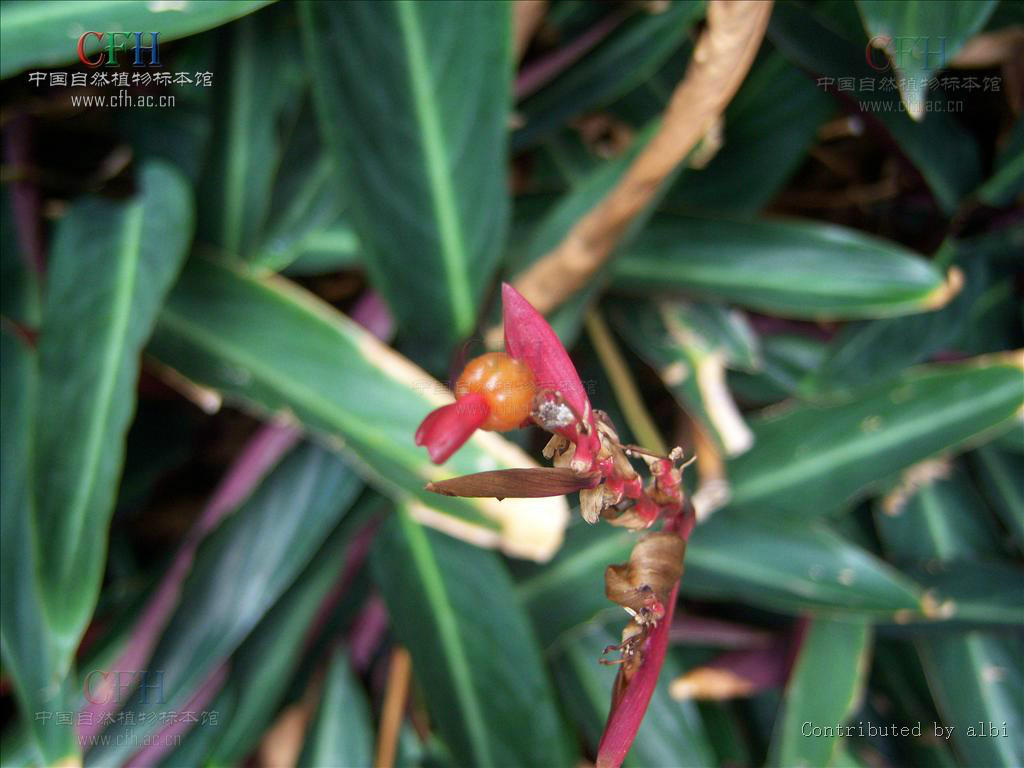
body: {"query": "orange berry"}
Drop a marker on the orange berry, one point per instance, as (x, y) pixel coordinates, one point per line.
(505, 383)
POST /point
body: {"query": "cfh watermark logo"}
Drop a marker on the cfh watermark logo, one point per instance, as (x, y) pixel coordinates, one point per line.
(99, 49)
(112, 686)
(884, 52)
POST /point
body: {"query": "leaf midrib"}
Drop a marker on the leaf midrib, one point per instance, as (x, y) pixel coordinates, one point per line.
(111, 365)
(447, 627)
(776, 479)
(453, 250)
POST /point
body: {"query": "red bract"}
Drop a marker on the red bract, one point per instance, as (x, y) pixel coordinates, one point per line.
(563, 406)
(445, 429)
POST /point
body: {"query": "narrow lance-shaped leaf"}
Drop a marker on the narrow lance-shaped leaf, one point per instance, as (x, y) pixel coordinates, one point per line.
(790, 268)
(111, 266)
(340, 733)
(29, 656)
(823, 689)
(46, 34)
(257, 111)
(270, 656)
(413, 99)
(338, 379)
(240, 572)
(973, 675)
(921, 37)
(810, 460)
(473, 652)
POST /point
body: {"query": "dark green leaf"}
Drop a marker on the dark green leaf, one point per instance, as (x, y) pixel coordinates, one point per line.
(340, 733)
(1002, 479)
(474, 654)
(823, 689)
(786, 568)
(111, 266)
(28, 652)
(921, 37)
(973, 675)
(810, 460)
(791, 268)
(260, 107)
(240, 572)
(413, 99)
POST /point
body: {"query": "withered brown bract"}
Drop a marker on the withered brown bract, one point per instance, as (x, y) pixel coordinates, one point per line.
(654, 567)
(516, 483)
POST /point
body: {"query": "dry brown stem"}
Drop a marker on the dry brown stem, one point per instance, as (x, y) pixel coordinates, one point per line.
(720, 62)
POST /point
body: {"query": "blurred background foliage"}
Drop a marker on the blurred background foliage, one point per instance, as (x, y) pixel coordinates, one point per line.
(213, 314)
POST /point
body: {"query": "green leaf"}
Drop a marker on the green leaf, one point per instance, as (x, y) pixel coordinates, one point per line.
(630, 56)
(976, 679)
(319, 251)
(413, 99)
(340, 733)
(240, 572)
(952, 173)
(1002, 479)
(111, 266)
(921, 37)
(305, 221)
(792, 568)
(474, 654)
(936, 498)
(811, 460)
(823, 689)
(769, 125)
(974, 676)
(261, 96)
(27, 649)
(265, 664)
(989, 591)
(690, 345)
(791, 268)
(672, 732)
(46, 34)
(269, 344)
